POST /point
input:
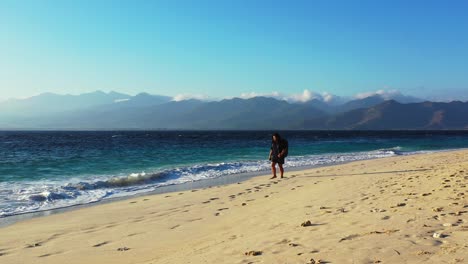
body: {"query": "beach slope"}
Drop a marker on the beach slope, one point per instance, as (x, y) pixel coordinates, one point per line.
(405, 209)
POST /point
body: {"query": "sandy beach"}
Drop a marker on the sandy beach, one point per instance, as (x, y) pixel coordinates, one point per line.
(406, 209)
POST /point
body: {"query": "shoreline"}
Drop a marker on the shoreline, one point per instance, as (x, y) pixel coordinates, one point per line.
(401, 209)
(187, 186)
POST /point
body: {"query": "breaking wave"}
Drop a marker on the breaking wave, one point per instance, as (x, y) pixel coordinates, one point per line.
(25, 197)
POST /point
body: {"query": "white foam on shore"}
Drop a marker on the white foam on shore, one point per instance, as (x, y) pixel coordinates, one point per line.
(25, 197)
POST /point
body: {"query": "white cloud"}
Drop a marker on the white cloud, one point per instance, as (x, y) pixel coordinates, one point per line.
(305, 96)
(385, 94)
(334, 99)
(121, 100)
(328, 97)
(390, 95)
(183, 97)
(254, 94)
(308, 95)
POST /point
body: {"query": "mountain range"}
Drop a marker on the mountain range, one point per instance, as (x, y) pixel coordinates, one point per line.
(99, 110)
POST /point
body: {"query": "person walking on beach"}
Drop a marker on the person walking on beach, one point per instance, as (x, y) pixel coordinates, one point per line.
(278, 151)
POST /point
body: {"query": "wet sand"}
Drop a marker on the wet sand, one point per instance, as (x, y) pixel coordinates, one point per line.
(406, 209)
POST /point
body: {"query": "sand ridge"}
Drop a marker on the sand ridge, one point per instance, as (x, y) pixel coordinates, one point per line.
(405, 209)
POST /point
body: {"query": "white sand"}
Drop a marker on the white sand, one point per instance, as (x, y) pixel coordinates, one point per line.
(383, 210)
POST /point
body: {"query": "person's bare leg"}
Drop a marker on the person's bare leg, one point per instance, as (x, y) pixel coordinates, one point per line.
(273, 170)
(281, 169)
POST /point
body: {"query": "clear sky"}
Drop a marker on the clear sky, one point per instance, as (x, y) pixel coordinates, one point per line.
(225, 48)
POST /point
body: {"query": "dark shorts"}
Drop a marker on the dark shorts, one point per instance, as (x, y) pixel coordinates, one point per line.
(277, 160)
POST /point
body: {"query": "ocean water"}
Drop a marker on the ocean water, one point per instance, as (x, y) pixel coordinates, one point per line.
(47, 170)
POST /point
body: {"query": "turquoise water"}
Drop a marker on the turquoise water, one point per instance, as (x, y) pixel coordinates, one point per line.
(47, 170)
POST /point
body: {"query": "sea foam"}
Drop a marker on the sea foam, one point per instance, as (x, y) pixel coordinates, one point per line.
(25, 197)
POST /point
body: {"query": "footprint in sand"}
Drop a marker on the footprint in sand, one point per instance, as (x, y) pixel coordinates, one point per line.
(319, 261)
(253, 253)
(38, 244)
(50, 254)
(110, 225)
(2, 252)
(133, 234)
(138, 219)
(341, 210)
(195, 219)
(101, 244)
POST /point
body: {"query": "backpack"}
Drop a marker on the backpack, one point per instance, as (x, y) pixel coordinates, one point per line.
(284, 145)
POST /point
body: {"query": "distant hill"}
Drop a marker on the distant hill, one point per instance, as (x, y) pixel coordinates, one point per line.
(100, 110)
(393, 115)
(143, 99)
(360, 103)
(47, 103)
(254, 113)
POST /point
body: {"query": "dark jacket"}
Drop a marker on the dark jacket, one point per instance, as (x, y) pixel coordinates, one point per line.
(278, 148)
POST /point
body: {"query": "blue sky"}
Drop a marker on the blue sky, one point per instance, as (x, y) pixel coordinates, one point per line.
(226, 48)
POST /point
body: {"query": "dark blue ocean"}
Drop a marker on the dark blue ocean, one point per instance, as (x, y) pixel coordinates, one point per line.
(48, 170)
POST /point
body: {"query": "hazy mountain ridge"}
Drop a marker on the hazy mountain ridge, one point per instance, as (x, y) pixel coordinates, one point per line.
(51, 103)
(113, 110)
(394, 115)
